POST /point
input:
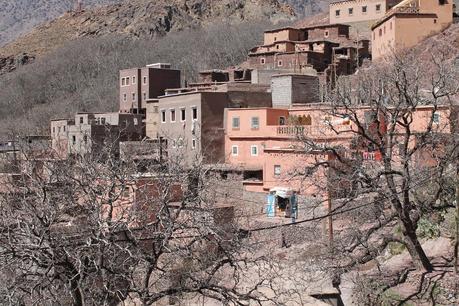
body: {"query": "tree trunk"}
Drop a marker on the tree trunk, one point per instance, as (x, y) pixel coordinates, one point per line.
(414, 247)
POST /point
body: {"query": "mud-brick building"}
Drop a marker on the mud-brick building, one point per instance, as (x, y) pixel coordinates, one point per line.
(95, 133)
(138, 85)
(408, 23)
(319, 47)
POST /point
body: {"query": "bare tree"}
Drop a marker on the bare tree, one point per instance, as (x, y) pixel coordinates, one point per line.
(401, 120)
(95, 231)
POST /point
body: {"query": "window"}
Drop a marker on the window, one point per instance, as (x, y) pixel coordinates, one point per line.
(64, 128)
(378, 7)
(435, 20)
(182, 114)
(102, 120)
(436, 118)
(277, 170)
(236, 123)
(337, 13)
(193, 143)
(351, 11)
(144, 95)
(144, 80)
(163, 116)
(54, 130)
(279, 63)
(235, 150)
(85, 139)
(262, 61)
(124, 97)
(133, 80)
(74, 139)
(127, 81)
(380, 32)
(275, 38)
(172, 115)
(194, 111)
(133, 96)
(364, 9)
(123, 81)
(255, 123)
(81, 120)
(281, 120)
(254, 150)
(326, 33)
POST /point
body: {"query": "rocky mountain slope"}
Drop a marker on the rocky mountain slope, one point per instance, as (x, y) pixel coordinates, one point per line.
(305, 8)
(20, 16)
(137, 18)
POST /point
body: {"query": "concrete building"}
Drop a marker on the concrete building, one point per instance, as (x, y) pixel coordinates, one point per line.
(289, 90)
(192, 122)
(95, 133)
(352, 11)
(408, 23)
(138, 85)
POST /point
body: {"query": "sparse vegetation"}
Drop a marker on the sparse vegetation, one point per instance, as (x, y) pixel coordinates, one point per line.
(83, 76)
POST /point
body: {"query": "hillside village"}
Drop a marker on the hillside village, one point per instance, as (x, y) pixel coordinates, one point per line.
(283, 138)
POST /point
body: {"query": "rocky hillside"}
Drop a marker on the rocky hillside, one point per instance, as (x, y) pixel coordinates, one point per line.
(137, 18)
(305, 8)
(20, 16)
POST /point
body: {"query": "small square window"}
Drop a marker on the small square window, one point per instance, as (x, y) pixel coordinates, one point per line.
(281, 120)
(378, 7)
(235, 150)
(172, 115)
(74, 139)
(133, 96)
(364, 9)
(81, 120)
(144, 80)
(277, 170)
(194, 111)
(133, 80)
(163, 116)
(351, 11)
(279, 63)
(124, 97)
(262, 61)
(235, 123)
(254, 150)
(182, 114)
(326, 33)
(255, 123)
(337, 13)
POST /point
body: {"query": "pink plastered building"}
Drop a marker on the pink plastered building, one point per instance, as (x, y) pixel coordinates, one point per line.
(268, 146)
